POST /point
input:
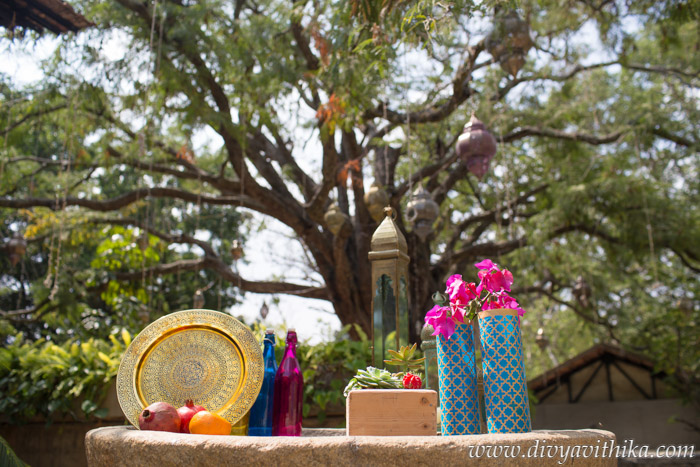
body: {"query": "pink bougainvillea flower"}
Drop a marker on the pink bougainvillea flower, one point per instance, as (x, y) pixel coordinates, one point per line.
(457, 313)
(454, 284)
(506, 301)
(465, 296)
(460, 292)
(495, 281)
(486, 264)
(453, 278)
(501, 280)
(471, 291)
(438, 317)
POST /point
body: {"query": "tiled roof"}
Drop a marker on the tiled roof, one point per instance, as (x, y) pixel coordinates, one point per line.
(55, 15)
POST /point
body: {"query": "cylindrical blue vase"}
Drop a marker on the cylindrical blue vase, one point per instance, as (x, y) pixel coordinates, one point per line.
(505, 387)
(459, 402)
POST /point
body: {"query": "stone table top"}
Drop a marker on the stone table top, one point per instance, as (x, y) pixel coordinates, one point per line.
(126, 446)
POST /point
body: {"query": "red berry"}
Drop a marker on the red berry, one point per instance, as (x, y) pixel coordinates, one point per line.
(411, 381)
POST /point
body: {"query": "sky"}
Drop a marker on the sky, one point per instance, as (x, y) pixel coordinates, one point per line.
(267, 252)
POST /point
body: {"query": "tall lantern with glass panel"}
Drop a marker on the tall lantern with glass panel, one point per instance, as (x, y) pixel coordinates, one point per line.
(389, 258)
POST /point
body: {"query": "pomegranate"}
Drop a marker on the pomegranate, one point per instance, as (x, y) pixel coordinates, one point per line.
(160, 416)
(186, 412)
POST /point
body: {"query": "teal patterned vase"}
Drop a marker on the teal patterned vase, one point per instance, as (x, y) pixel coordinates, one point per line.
(459, 402)
(505, 387)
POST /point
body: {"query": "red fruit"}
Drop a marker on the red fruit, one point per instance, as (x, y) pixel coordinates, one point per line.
(186, 413)
(160, 416)
(411, 381)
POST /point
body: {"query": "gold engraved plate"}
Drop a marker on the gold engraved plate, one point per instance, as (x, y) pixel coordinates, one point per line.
(203, 355)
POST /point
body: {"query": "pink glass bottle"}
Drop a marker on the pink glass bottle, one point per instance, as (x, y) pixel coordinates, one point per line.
(289, 390)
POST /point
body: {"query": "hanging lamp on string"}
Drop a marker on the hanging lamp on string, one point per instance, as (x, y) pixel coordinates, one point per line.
(264, 310)
(236, 250)
(476, 146)
(336, 219)
(509, 41)
(541, 339)
(142, 241)
(421, 212)
(198, 299)
(16, 247)
(582, 292)
(376, 199)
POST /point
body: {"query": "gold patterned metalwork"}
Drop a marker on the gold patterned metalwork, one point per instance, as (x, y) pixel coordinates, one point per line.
(203, 355)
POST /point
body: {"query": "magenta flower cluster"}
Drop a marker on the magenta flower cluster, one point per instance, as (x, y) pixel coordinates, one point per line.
(467, 299)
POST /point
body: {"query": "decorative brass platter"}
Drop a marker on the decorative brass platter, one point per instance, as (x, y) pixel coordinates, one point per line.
(203, 355)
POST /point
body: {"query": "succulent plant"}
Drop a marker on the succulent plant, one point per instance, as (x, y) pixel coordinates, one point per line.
(404, 358)
(373, 378)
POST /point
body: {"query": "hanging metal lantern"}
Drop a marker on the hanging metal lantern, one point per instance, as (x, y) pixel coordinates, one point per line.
(376, 200)
(143, 241)
(541, 339)
(264, 310)
(335, 218)
(389, 258)
(421, 212)
(17, 247)
(198, 299)
(509, 41)
(582, 292)
(513, 63)
(236, 250)
(476, 146)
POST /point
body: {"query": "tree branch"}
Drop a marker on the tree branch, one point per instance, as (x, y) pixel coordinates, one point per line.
(30, 115)
(435, 111)
(679, 140)
(559, 134)
(129, 198)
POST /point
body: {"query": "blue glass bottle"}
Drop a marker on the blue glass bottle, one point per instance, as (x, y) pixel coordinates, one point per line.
(260, 423)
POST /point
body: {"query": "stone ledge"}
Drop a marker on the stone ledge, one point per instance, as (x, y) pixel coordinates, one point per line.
(125, 446)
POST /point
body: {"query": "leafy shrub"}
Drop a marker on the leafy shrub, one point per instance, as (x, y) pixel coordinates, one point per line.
(327, 368)
(44, 378)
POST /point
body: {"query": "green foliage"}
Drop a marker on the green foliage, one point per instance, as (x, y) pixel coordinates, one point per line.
(328, 365)
(45, 379)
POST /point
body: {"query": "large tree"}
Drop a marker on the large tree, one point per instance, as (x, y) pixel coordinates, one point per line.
(592, 199)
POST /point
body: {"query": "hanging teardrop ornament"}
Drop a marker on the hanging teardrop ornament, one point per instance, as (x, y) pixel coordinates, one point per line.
(421, 212)
(582, 292)
(264, 310)
(509, 41)
(236, 250)
(541, 339)
(198, 300)
(17, 247)
(376, 199)
(142, 241)
(335, 218)
(476, 146)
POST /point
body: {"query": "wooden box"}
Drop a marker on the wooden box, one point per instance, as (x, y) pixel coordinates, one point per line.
(391, 412)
